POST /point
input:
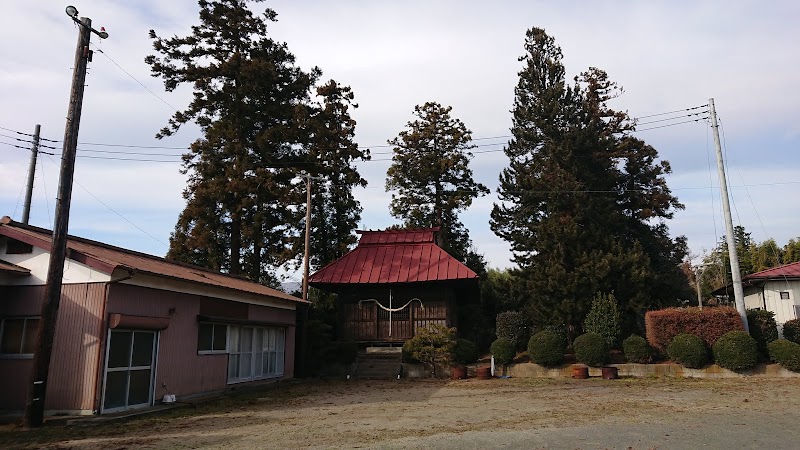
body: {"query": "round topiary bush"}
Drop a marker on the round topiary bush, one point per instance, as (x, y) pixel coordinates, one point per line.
(465, 352)
(736, 350)
(637, 350)
(791, 330)
(503, 351)
(591, 349)
(688, 350)
(546, 348)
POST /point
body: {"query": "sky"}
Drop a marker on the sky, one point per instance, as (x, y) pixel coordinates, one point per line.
(667, 55)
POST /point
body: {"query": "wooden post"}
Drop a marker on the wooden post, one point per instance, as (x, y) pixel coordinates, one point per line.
(34, 407)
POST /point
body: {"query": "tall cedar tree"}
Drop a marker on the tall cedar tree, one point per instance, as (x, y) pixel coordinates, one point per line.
(430, 172)
(335, 213)
(582, 201)
(251, 103)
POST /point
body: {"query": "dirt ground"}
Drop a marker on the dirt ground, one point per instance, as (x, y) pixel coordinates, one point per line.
(512, 413)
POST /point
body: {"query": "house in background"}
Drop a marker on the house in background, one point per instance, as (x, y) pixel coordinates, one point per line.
(393, 283)
(776, 289)
(133, 328)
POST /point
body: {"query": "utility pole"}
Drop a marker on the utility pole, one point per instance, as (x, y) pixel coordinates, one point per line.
(698, 272)
(736, 275)
(26, 210)
(306, 251)
(34, 407)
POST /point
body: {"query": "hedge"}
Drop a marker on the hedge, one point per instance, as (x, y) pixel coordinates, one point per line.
(708, 324)
(546, 349)
(736, 350)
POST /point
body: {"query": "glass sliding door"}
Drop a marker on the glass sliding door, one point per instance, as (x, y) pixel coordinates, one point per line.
(255, 352)
(129, 370)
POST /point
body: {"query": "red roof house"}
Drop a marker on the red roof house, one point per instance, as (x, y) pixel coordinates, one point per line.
(133, 327)
(394, 282)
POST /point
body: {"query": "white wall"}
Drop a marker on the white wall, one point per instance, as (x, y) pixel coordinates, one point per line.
(783, 309)
(37, 262)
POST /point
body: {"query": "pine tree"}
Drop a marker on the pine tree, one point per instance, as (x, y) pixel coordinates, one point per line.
(335, 211)
(582, 201)
(251, 103)
(433, 181)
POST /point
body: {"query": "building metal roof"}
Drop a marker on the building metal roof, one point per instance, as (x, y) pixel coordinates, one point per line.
(106, 258)
(394, 256)
(786, 271)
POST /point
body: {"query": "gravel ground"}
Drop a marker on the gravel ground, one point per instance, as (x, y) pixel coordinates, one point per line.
(512, 413)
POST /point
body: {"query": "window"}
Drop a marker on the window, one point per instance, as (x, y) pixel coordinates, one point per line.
(255, 352)
(784, 296)
(16, 247)
(212, 338)
(18, 335)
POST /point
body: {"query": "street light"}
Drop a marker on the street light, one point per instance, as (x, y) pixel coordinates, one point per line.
(73, 13)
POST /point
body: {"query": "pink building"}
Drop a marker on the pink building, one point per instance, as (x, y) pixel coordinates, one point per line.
(133, 328)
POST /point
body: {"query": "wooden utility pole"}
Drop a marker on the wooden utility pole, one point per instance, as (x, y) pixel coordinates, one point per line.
(736, 274)
(34, 407)
(306, 252)
(26, 209)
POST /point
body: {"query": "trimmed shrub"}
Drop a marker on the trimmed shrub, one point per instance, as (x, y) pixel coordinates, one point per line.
(637, 350)
(408, 351)
(736, 350)
(708, 324)
(591, 349)
(560, 331)
(688, 350)
(762, 328)
(546, 349)
(791, 330)
(513, 326)
(465, 352)
(603, 318)
(786, 353)
(503, 351)
(432, 344)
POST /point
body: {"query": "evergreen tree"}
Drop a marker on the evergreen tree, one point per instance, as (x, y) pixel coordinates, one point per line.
(433, 181)
(252, 104)
(791, 251)
(583, 202)
(335, 212)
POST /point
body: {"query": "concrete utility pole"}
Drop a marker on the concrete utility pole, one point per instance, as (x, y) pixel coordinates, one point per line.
(736, 274)
(26, 209)
(34, 407)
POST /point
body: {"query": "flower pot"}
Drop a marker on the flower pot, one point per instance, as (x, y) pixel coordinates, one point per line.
(483, 373)
(610, 373)
(580, 372)
(458, 372)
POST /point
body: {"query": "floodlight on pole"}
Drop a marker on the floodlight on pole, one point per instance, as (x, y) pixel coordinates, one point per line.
(72, 11)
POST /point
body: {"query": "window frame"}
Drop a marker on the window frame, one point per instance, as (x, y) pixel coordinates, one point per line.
(25, 320)
(788, 295)
(272, 337)
(214, 327)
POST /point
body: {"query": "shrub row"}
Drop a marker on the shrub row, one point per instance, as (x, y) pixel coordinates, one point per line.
(708, 324)
(547, 348)
(637, 350)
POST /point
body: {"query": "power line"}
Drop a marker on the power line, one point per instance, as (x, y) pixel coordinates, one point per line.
(112, 209)
(672, 118)
(671, 124)
(133, 78)
(672, 112)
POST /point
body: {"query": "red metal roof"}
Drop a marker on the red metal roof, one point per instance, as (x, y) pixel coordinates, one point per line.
(789, 270)
(106, 258)
(394, 256)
